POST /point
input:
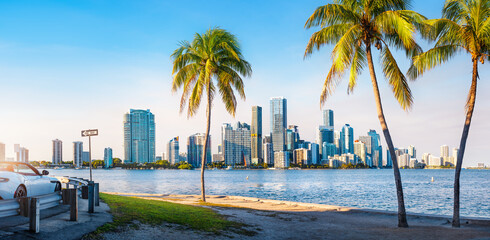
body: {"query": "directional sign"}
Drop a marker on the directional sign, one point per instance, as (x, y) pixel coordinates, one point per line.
(90, 132)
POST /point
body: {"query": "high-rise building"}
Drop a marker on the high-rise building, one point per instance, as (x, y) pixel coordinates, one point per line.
(324, 135)
(86, 157)
(256, 132)
(412, 151)
(329, 150)
(108, 157)
(236, 144)
(2, 152)
(302, 156)
(281, 159)
(455, 155)
(268, 152)
(195, 149)
(173, 150)
(347, 139)
(336, 141)
(315, 153)
(21, 153)
(376, 149)
(57, 152)
(292, 138)
(139, 136)
(360, 151)
(77, 154)
(444, 151)
(328, 118)
(278, 122)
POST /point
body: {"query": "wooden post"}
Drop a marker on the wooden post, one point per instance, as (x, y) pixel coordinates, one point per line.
(34, 215)
(65, 197)
(90, 197)
(96, 194)
(73, 193)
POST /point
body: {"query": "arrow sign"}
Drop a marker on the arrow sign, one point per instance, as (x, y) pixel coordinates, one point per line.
(90, 132)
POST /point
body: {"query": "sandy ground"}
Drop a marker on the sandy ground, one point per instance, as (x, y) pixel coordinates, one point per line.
(273, 219)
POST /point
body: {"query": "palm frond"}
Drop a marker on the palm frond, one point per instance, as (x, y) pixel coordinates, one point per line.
(327, 35)
(396, 79)
(331, 14)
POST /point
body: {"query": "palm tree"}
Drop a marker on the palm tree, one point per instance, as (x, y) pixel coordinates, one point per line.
(212, 61)
(354, 26)
(465, 27)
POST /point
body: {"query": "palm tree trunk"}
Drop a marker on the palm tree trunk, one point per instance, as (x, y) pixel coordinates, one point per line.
(402, 216)
(205, 150)
(462, 144)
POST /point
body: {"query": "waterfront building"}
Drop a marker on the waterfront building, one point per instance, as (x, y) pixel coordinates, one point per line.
(57, 152)
(301, 156)
(21, 153)
(329, 150)
(446, 159)
(292, 138)
(360, 151)
(413, 163)
(278, 122)
(389, 161)
(268, 152)
(347, 139)
(403, 160)
(328, 119)
(236, 144)
(85, 157)
(281, 159)
(158, 158)
(336, 141)
(77, 154)
(425, 158)
(218, 158)
(2, 152)
(195, 149)
(256, 134)
(108, 157)
(412, 152)
(455, 154)
(324, 135)
(315, 153)
(173, 150)
(435, 161)
(376, 149)
(139, 136)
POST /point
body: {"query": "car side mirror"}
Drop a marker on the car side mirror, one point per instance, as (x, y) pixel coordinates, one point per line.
(45, 172)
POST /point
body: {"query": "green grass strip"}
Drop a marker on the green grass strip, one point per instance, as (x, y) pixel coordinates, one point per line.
(126, 210)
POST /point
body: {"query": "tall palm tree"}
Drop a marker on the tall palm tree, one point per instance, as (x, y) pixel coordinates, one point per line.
(212, 61)
(465, 27)
(354, 26)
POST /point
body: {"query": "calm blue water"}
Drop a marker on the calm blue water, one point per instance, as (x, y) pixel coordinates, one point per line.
(368, 188)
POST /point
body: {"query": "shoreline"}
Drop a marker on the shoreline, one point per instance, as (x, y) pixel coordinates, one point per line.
(255, 203)
(275, 219)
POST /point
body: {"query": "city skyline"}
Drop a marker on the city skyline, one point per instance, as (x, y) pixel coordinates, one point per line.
(139, 67)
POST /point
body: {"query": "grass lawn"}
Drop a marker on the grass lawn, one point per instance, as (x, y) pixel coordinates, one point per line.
(126, 210)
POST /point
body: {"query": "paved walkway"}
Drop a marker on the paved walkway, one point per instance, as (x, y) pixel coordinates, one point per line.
(55, 224)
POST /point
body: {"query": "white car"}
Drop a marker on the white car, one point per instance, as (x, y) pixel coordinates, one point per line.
(23, 180)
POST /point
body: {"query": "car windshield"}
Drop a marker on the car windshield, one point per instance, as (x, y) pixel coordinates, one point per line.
(18, 168)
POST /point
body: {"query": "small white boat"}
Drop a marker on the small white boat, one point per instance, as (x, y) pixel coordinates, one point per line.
(229, 168)
(432, 180)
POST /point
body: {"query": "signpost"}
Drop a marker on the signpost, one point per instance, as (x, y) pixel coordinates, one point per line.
(89, 133)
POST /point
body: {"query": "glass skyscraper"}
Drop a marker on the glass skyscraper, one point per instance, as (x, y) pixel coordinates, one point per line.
(376, 149)
(108, 157)
(278, 122)
(256, 134)
(195, 148)
(347, 139)
(77, 154)
(328, 118)
(173, 150)
(57, 152)
(139, 136)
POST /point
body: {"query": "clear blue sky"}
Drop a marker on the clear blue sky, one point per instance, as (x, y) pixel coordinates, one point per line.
(71, 65)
